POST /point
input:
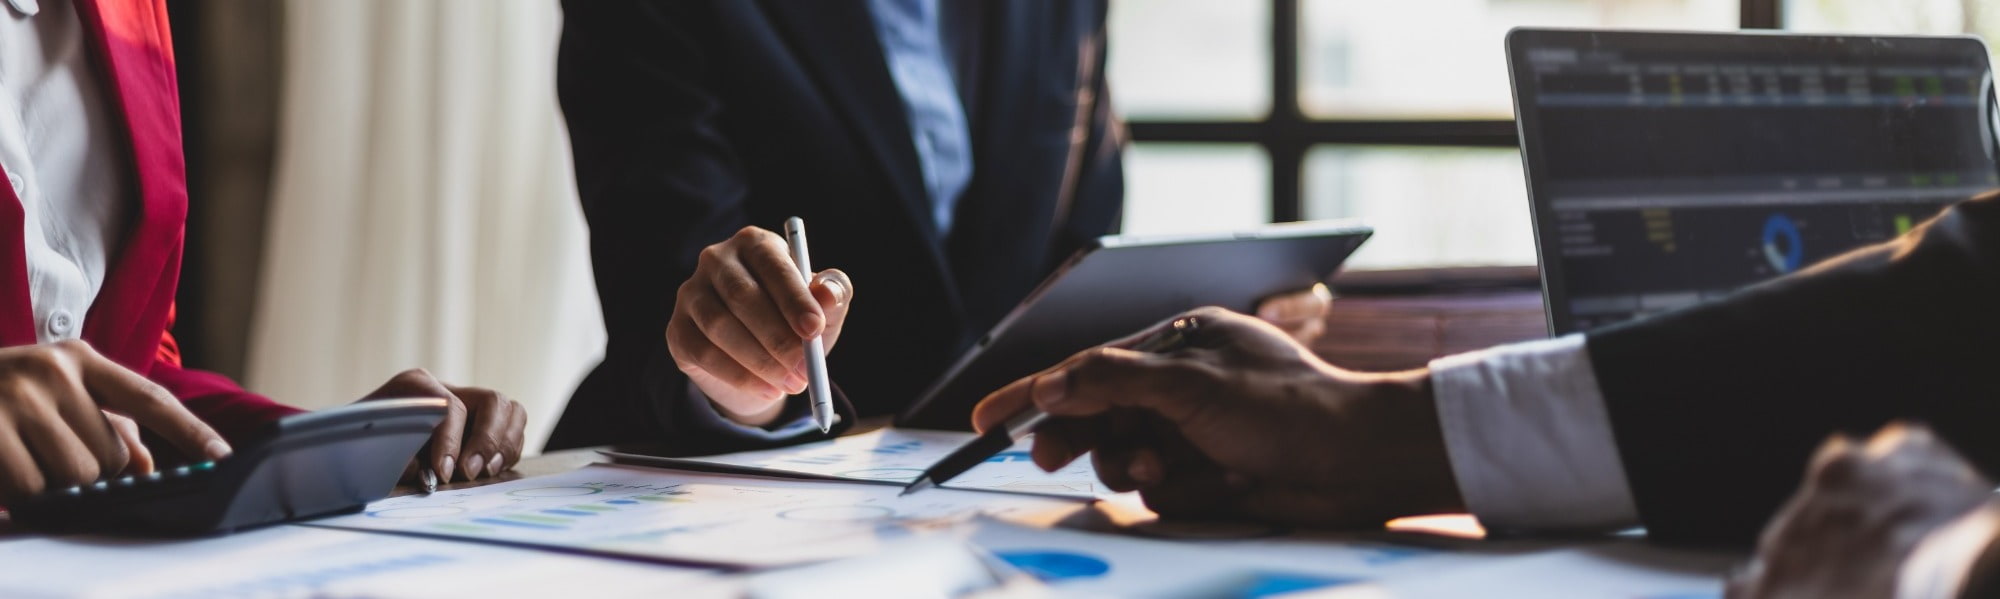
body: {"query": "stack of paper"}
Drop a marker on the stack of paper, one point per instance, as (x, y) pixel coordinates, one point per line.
(689, 517)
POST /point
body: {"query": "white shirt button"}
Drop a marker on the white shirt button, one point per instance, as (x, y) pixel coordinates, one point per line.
(61, 324)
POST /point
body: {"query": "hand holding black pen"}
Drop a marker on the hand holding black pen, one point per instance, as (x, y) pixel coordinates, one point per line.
(1175, 336)
(1242, 422)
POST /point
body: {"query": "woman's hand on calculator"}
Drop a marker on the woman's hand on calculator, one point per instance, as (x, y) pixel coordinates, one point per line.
(69, 416)
(481, 435)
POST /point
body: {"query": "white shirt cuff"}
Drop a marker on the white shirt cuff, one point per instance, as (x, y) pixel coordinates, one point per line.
(793, 423)
(1939, 566)
(1529, 439)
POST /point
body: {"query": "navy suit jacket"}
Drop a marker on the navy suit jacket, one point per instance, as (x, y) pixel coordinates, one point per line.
(1717, 408)
(690, 119)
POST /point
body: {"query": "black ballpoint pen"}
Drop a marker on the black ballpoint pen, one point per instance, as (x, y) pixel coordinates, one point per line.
(999, 439)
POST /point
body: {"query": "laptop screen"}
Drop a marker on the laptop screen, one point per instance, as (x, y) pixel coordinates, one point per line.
(1666, 169)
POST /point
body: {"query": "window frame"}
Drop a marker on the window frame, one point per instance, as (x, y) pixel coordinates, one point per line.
(1286, 134)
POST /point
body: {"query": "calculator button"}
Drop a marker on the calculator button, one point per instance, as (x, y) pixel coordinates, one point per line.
(204, 466)
(124, 482)
(73, 491)
(181, 471)
(99, 486)
(153, 477)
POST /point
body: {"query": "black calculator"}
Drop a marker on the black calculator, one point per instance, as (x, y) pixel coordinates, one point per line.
(305, 465)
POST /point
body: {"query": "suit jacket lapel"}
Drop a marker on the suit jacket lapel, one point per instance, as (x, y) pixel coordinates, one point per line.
(137, 54)
(17, 308)
(836, 39)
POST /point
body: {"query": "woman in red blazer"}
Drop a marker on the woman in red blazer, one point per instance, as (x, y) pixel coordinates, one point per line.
(70, 411)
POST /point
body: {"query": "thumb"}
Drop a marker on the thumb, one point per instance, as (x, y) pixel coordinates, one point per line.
(835, 293)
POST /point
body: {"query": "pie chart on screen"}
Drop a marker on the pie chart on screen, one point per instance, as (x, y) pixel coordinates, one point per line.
(1783, 248)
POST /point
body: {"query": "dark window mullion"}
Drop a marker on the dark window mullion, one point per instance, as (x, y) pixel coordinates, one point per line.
(1286, 134)
(1494, 133)
(1287, 153)
(1763, 14)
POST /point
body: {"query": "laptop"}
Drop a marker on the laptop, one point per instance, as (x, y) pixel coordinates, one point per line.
(1665, 169)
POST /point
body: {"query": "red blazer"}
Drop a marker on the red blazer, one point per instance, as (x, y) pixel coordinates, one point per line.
(128, 322)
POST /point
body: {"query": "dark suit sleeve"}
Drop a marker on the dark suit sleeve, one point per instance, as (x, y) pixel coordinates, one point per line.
(659, 181)
(1100, 168)
(1717, 408)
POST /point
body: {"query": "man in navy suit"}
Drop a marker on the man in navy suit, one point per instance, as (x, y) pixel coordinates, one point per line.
(948, 155)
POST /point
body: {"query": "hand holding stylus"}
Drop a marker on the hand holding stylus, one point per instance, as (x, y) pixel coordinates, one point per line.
(741, 325)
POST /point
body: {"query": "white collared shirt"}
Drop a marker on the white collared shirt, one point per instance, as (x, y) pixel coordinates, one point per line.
(58, 146)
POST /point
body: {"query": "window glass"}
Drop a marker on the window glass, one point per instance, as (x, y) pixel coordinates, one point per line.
(1196, 188)
(1191, 59)
(1429, 206)
(1444, 59)
(1939, 17)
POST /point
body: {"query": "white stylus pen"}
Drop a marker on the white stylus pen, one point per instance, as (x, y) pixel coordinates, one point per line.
(817, 387)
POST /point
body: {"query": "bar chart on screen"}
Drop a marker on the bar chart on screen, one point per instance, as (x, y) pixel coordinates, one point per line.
(688, 517)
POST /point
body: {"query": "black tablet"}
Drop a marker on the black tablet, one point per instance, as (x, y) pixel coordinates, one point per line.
(1122, 284)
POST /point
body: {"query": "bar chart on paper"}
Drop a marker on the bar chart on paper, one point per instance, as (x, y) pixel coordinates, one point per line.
(688, 517)
(900, 456)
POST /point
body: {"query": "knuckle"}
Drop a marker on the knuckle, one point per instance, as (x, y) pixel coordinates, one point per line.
(705, 308)
(114, 461)
(413, 376)
(708, 356)
(782, 342)
(756, 235)
(738, 288)
(84, 470)
(709, 256)
(491, 400)
(44, 362)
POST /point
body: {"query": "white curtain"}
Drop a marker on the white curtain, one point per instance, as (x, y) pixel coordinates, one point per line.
(424, 212)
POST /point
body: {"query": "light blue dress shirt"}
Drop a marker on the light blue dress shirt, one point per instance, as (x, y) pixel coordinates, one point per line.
(912, 42)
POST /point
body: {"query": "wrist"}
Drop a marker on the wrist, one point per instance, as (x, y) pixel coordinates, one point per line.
(1424, 459)
(1957, 559)
(761, 417)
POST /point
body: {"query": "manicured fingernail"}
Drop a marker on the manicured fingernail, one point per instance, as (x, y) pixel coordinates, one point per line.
(474, 466)
(493, 465)
(833, 287)
(217, 449)
(1052, 388)
(445, 469)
